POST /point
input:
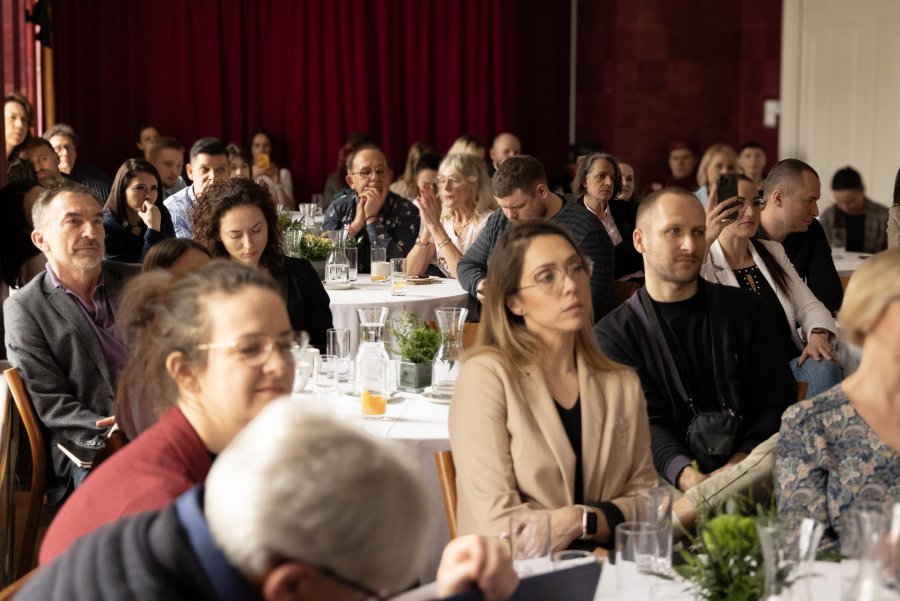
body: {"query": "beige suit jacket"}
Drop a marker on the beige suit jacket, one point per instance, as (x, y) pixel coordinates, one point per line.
(511, 451)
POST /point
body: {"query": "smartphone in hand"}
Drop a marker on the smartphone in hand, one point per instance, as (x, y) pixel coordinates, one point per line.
(262, 160)
(727, 188)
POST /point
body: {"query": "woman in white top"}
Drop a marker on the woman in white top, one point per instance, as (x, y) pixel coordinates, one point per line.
(450, 226)
(762, 267)
(265, 170)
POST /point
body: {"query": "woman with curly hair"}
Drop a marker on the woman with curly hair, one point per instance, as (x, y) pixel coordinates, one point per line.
(237, 220)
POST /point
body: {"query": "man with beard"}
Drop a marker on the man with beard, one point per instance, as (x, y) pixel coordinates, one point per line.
(61, 330)
(370, 212)
(715, 379)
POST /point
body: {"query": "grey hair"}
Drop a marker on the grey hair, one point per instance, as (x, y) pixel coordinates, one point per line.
(474, 170)
(297, 484)
(39, 210)
(62, 129)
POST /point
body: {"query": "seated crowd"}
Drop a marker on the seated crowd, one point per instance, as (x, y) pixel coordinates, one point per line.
(571, 401)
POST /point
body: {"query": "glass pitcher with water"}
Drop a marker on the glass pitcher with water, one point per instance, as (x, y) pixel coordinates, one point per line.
(445, 368)
(372, 359)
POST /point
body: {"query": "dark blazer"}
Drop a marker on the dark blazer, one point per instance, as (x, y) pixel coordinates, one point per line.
(308, 304)
(51, 341)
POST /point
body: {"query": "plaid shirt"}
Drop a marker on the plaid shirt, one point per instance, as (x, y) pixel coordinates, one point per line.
(875, 232)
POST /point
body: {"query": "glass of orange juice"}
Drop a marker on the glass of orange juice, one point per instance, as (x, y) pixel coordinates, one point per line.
(373, 404)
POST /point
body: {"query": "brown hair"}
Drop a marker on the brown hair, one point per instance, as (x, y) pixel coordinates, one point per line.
(223, 195)
(504, 332)
(166, 253)
(522, 172)
(162, 314)
(579, 182)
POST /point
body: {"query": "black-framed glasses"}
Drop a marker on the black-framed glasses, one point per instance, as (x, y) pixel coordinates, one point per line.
(369, 593)
(254, 350)
(367, 172)
(550, 278)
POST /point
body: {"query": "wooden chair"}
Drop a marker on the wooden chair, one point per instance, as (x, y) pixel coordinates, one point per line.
(470, 334)
(622, 291)
(845, 279)
(8, 453)
(34, 502)
(802, 388)
(10, 591)
(446, 471)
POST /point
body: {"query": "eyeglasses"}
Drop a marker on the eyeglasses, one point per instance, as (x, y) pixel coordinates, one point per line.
(550, 279)
(453, 180)
(367, 172)
(369, 593)
(256, 349)
(758, 203)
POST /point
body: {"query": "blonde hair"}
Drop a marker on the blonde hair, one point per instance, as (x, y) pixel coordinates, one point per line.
(874, 285)
(502, 331)
(468, 145)
(474, 170)
(708, 157)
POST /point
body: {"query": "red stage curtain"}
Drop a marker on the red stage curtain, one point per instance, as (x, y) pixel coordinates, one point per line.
(311, 71)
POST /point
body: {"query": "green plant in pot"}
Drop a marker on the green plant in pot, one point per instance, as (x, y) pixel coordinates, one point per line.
(416, 343)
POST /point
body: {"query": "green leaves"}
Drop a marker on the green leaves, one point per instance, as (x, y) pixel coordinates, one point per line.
(414, 340)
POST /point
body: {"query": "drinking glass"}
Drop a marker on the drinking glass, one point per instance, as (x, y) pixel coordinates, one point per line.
(654, 506)
(863, 533)
(529, 538)
(326, 373)
(352, 262)
(398, 277)
(839, 241)
(338, 344)
(637, 553)
(380, 268)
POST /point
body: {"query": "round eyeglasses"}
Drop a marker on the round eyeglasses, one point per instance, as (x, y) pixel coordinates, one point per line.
(550, 278)
(254, 350)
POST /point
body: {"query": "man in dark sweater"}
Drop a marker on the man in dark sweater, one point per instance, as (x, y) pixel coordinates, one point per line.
(792, 193)
(520, 186)
(698, 348)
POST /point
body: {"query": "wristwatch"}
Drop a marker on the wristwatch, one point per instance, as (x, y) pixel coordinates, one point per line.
(826, 333)
(588, 522)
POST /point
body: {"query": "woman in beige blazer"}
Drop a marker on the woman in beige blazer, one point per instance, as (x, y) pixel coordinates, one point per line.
(540, 419)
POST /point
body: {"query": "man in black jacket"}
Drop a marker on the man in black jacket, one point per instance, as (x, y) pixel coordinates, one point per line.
(699, 348)
(792, 194)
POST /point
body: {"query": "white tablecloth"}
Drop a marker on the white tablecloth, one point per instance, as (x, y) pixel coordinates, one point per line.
(847, 262)
(421, 300)
(420, 426)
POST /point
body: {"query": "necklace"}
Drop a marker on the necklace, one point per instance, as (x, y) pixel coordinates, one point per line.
(459, 227)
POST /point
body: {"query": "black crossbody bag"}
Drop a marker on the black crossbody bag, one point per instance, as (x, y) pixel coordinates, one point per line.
(713, 436)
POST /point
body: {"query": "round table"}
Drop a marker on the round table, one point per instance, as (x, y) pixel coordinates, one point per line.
(420, 299)
(419, 426)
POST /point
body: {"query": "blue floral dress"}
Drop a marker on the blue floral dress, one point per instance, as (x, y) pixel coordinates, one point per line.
(828, 459)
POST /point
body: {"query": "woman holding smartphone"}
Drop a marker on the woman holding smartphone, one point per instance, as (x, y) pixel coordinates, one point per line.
(762, 267)
(277, 180)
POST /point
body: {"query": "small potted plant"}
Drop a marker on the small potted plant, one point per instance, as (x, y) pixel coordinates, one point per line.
(416, 343)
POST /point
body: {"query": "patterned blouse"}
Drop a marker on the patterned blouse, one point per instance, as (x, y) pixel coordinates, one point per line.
(828, 458)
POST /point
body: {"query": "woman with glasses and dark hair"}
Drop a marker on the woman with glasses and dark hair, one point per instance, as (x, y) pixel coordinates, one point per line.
(760, 266)
(208, 350)
(134, 216)
(237, 220)
(540, 418)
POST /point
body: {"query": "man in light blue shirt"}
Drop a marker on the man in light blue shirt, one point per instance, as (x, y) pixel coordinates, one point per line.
(209, 162)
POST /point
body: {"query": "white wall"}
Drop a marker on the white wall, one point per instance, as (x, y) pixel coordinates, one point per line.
(840, 90)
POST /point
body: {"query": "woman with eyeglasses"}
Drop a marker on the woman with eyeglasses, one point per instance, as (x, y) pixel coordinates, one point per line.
(237, 220)
(208, 350)
(452, 221)
(762, 267)
(540, 418)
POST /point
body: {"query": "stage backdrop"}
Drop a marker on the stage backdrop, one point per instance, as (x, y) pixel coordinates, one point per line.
(311, 71)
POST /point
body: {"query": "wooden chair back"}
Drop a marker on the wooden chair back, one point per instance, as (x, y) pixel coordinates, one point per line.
(802, 388)
(622, 291)
(35, 496)
(470, 334)
(446, 471)
(8, 453)
(845, 279)
(10, 591)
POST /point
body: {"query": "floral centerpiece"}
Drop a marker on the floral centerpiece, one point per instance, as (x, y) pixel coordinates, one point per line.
(307, 243)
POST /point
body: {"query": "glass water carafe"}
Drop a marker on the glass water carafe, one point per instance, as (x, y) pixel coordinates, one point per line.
(337, 267)
(446, 365)
(372, 359)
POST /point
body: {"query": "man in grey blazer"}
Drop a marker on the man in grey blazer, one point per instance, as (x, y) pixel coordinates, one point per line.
(60, 330)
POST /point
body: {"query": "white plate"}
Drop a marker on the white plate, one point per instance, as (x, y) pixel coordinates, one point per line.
(421, 281)
(428, 396)
(349, 286)
(394, 397)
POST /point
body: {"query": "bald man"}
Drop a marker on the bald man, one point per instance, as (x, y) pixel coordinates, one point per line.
(699, 348)
(505, 145)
